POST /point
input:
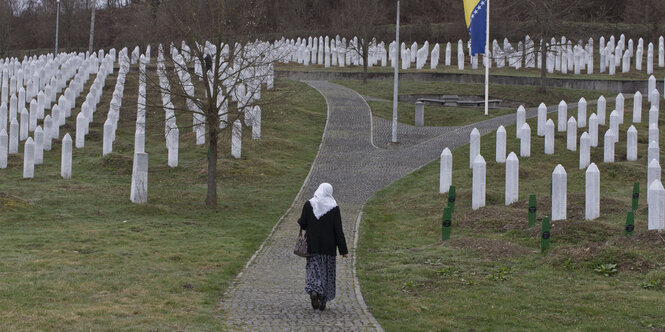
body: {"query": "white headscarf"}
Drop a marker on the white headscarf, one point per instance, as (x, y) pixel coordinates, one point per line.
(323, 201)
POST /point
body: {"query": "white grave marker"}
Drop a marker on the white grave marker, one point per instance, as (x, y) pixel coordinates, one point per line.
(542, 119)
(549, 137)
(631, 144)
(29, 159)
(39, 145)
(445, 171)
(478, 192)
(585, 150)
(66, 157)
(571, 137)
(525, 141)
(656, 202)
(581, 113)
(501, 145)
(592, 193)
(559, 194)
(4, 148)
(562, 115)
(474, 146)
(609, 141)
(512, 178)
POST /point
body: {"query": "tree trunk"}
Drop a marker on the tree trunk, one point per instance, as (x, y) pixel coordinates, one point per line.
(211, 196)
(543, 68)
(92, 26)
(365, 58)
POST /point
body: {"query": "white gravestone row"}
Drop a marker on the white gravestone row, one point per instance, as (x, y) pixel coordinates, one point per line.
(44, 79)
(562, 55)
(171, 131)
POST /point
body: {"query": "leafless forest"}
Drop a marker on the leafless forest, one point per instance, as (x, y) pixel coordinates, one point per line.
(30, 24)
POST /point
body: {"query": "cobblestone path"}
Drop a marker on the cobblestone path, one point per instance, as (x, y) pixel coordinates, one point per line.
(268, 295)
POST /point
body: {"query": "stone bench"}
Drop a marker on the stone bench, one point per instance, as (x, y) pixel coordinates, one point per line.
(453, 101)
(446, 100)
(492, 103)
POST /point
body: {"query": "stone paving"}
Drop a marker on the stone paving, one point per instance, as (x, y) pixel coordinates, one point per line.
(268, 295)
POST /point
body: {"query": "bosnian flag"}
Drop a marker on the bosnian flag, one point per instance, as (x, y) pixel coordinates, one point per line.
(476, 21)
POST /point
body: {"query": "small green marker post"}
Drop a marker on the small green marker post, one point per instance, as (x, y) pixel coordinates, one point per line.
(630, 223)
(532, 210)
(545, 235)
(446, 222)
(451, 199)
(636, 194)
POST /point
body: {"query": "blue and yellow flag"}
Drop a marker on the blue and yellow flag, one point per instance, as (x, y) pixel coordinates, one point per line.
(476, 21)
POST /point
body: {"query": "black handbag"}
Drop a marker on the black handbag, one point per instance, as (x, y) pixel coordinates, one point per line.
(301, 246)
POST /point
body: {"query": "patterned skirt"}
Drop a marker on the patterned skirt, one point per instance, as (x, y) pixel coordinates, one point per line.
(320, 276)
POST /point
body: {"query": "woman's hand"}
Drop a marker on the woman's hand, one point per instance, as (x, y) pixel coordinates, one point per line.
(345, 255)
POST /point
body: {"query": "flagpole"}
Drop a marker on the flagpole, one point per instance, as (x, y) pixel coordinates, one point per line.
(397, 51)
(487, 59)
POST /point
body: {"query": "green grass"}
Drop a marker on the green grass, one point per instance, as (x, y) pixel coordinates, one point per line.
(490, 275)
(77, 255)
(529, 96)
(434, 115)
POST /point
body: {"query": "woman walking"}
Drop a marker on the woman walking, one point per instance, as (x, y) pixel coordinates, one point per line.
(323, 222)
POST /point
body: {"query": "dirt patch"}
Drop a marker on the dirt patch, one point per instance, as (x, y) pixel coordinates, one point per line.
(641, 239)
(10, 203)
(493, 218)
(575, 208)
(577, 231)
(593, 254)
(116, 162)
(490, 248)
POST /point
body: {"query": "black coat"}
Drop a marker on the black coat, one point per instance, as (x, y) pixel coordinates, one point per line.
(324, 235)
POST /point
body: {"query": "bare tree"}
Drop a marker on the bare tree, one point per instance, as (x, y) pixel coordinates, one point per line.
(227, 69)
(542, 20)
(7, 8)
(92, 25)
(649, 13)
(358, 19)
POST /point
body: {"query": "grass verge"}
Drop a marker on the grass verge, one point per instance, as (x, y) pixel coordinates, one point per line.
(77, 255)
(490, 275)
(529, 96)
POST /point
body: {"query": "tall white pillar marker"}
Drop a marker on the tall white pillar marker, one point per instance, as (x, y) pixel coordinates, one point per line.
(501, 145)
(474, 146)
(512, 179)
(656, 202)
(66, 157)
(559, 194)
(631, 145)
(29, 159)
(446, 171)
(592, 193)
(478, 190)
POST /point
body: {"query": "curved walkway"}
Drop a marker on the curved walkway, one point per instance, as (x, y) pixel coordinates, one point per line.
(268, 295)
